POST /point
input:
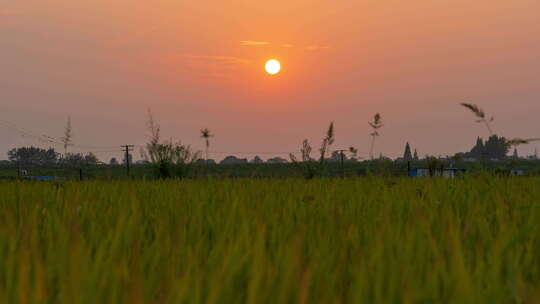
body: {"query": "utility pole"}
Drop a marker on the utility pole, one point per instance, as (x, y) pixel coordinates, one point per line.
(127, 149)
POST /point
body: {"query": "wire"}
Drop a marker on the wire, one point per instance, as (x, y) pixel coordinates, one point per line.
(105, 149)
(46, 138)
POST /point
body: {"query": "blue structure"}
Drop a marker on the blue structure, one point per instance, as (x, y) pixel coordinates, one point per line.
(41, 178)
(425, 172)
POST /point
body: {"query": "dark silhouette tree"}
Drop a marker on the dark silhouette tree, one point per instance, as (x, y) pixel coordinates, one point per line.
(91, 159)
(33, 156)
(407, 155)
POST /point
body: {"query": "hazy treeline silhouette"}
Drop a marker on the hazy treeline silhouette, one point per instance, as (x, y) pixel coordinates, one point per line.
(174, 159)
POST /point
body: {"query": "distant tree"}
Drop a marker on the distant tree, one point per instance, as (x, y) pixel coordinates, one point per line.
(480, 115)
(276, 160)
(407, 155)
(479, 150)
(415, 157)
(33, 156)
(515, 155)
(206, 135)
(167, 155)
(166, 151)
(376, 124)
(67, 138)
(257, 160)
(113, 161)
(494, 148)
(206, 161)
(72, 159)
(233, 160)
(91, 159)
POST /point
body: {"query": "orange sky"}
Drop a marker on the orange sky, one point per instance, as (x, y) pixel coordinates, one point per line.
(201, 64)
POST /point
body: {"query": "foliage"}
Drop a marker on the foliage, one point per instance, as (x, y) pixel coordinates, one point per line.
(31, 156)
(171, 159)
(308, 167)
(494, 148)
(471, 240)
(407, 155)
(79, 159)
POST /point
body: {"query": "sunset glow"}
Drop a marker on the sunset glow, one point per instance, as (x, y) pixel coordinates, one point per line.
(413, 61)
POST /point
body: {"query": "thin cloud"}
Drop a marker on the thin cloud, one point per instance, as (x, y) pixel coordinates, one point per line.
(317, 47)
(253, 43)
(222, 60)
(10, 12)
(287, 45)
(213, 66)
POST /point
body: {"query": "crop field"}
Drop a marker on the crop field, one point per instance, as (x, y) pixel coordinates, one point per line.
(358, 240)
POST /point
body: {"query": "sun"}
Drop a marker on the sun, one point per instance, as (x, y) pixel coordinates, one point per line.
(272, 66)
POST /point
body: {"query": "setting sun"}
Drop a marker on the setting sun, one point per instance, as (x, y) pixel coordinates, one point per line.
(272, 67)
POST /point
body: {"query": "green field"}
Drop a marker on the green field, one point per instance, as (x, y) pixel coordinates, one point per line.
(362, 240)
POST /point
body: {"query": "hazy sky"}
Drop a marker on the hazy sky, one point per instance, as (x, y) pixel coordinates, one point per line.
(201, 64)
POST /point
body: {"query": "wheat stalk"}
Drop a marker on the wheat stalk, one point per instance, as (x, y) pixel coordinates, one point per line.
(480, 114)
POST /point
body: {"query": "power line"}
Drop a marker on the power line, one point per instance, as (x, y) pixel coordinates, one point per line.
(105, 149)
(46, 138)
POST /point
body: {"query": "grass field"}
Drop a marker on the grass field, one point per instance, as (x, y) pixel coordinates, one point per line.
(364, 240)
